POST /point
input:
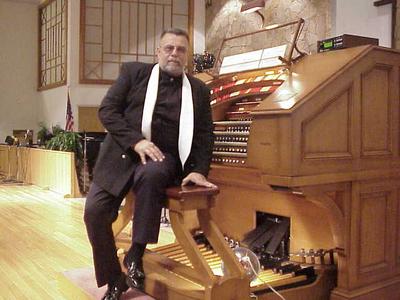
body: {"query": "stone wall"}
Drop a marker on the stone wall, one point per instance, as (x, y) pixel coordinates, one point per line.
(223, 19)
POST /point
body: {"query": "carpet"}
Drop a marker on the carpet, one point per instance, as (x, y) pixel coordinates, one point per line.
(84, 279)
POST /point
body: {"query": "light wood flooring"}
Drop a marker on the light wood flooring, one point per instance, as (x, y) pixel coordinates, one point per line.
(41, 235)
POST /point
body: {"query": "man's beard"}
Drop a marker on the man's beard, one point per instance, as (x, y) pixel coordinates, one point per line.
(174, 69)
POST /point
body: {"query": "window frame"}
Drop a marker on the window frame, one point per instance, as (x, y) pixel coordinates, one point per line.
(58, 45)
(83, 79)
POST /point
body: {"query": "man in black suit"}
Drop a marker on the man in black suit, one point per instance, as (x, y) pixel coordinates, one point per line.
(159, 133)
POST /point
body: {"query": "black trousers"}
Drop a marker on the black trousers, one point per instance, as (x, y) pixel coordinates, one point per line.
(149, 183)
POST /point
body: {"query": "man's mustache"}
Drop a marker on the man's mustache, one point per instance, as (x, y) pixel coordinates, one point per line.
(175, 61)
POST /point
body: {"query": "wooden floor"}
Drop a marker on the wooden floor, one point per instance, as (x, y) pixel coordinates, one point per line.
(41, 235)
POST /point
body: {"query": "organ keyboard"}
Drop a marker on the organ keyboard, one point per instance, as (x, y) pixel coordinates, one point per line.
(230, 146)
(238, 95)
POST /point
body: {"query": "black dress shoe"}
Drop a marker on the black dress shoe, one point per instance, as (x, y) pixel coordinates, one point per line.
(115, 291)
(135, 276)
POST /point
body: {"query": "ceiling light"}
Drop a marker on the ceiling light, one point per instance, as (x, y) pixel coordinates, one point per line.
(252, 6)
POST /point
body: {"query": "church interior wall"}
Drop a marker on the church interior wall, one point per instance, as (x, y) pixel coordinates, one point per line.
(371, 20)
(323, 19)
(23, 107)
(18, 67)
(26, 106)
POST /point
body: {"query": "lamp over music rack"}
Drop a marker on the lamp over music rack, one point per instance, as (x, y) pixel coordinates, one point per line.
(254, 6)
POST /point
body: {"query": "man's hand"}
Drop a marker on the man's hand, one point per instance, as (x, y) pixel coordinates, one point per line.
(198, 179)
(144, 147)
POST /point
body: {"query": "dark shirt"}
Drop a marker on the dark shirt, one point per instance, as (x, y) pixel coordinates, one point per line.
(165, 122)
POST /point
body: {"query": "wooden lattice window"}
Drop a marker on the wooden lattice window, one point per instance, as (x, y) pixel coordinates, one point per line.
(116, 31)
(52, 44)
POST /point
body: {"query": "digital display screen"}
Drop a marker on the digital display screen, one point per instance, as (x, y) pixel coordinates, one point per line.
(327, 44)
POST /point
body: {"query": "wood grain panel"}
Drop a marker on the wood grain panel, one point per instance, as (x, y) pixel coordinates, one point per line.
(372, 257)
(88, 119)
(9, 161)
(3, 160)
(326, 134)
(398, 229)
(306, 230)
(54, 170)
(375, 112)
(373, 231)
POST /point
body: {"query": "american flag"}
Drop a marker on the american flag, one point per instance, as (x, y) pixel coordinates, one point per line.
(69, 122)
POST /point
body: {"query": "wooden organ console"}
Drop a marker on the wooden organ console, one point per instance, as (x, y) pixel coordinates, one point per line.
(316, 144)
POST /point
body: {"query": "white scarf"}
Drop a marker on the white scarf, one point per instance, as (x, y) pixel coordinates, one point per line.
(186, 118)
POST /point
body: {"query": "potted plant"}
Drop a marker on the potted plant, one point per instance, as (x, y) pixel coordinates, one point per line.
(56, 129)
(43, 134)
(203, 62)
(66, 141)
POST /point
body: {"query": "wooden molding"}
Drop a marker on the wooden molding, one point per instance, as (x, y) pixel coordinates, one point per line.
(122, 53)
(338, 111)
(383, 2)
(376, 109)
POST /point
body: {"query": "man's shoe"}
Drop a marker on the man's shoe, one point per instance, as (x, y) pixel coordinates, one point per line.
(135, 276)
(114, 292)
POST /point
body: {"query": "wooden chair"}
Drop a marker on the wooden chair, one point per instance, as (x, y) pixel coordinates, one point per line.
(169, 279)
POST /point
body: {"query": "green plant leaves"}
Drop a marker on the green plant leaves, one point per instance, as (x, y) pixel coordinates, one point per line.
(66, 141)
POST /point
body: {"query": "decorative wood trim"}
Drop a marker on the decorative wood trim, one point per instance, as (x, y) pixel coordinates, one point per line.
(389, 147)
(38, 51)
(66, 40)
(335, 213)
(52, 86)
(191, 36)
(383, 2)
(397, 237)
(373, 267)
(57, 40)
(83, 78)
(363, 270)
(81, 41)
(96, 81)
(329, 155)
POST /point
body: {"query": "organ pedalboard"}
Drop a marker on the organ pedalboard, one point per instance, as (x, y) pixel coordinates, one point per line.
(301, 269)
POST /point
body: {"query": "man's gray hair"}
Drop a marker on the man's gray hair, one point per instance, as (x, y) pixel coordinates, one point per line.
(176, 31)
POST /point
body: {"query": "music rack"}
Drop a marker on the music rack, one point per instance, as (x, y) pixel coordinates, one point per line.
(287, 59)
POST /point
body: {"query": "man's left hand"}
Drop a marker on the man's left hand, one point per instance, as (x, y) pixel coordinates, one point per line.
(198, 179)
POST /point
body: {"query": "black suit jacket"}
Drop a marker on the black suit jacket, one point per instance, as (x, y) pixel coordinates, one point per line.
(121, 114)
